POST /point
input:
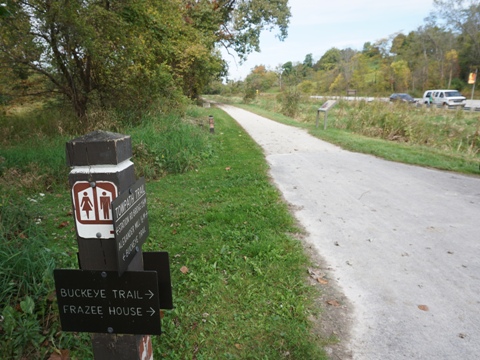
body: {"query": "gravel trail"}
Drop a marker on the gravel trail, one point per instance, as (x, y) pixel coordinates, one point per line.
(401, 242)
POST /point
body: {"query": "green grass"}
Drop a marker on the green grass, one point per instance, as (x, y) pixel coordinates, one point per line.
(245, 294)
(238, 267)
(404, 153)
(34, 164)
(30, 326)
(169, 146)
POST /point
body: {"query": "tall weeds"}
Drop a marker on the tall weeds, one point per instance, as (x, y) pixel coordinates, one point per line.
(32, 160)
(25, 282)
(446, 130)
(172, 145)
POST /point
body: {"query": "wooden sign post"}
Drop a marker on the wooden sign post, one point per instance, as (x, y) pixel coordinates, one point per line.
(101, 171)
(211, 122)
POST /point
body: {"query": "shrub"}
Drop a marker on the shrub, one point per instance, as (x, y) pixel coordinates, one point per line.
(249, 94)
(170, 144)
(290, 102)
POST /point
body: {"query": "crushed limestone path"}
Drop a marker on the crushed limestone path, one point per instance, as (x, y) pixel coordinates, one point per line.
(402, 242)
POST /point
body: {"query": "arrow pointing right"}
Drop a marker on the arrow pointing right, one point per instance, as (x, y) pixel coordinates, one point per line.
(151, 311)
(150, 294)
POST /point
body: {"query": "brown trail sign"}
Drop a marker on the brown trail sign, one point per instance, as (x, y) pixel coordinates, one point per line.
(111, 294)
(102, 302)
(130, 223)
(324, 108)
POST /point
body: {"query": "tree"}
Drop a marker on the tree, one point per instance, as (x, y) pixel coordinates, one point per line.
(289, 98)
(240, 22)
(410, 51)
(287, 68)
(438, 54)
(401, 75)
(105, 52)
(329, 60)
(462, 17)
(88, 50)
(435, 42)
(451, 63)
(308, 62)
(260, 78)
(362, 75)
(348, 64)
(398, 42)
(370, 50)
(307, 87)
(383, 47)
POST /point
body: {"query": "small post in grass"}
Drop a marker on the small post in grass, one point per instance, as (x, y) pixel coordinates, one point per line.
(212, 124)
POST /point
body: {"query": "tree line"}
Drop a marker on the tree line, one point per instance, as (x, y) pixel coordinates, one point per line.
(128, 55)
(441, 53)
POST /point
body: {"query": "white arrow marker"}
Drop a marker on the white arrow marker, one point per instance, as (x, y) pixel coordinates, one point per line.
(151, 311)
(150, 293)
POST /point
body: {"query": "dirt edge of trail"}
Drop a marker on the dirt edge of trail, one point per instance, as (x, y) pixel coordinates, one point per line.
(334, 321)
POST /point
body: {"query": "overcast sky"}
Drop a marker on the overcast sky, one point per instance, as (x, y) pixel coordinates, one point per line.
(319, 25)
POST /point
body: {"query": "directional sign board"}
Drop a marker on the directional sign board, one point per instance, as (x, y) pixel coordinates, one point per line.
(130, 222)
(327, 105)
(324, 108)
(160, 262)
(103, 302)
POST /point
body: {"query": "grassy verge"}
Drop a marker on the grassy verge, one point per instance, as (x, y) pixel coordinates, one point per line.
(446, 140)
(244, 294)
(238, 268)
(31, 245)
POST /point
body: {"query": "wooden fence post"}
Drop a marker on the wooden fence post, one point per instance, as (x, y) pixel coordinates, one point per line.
(211, 121)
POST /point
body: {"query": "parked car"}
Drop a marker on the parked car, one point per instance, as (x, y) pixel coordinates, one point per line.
(402, 97)
(445, 98)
